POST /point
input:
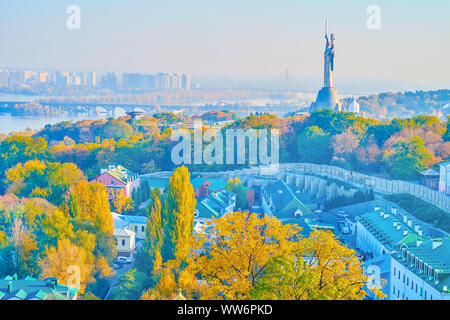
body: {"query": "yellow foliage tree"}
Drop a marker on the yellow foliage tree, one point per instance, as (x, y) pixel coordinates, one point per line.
(123, 203)
(232, 255)
(93, 205)
(322, 269)
(71, 265)
(179, 211)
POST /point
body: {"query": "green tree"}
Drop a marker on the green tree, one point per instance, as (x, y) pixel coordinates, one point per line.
(408, 158)
(313, 145)
(238, 188)
(154, 234)
(178, 216)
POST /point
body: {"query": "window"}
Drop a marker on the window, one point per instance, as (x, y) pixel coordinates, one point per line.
(394, 270)
(404, 278)
(135, 228)
(123, 242)
(142, 228)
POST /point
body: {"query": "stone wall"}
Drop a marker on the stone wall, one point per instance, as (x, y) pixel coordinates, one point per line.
(300, 175)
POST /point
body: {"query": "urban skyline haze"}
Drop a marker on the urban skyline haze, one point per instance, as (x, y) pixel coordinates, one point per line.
(235, 40)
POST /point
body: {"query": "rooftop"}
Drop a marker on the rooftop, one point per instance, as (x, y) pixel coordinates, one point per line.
(30, 288)
(215, 205)
(285, 202)
(390, 229)
(120, 173)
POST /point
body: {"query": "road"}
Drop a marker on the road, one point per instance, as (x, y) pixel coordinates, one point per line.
(124, 269)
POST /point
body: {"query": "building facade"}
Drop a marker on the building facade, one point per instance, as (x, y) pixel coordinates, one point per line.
(127, 230)
(118, 179)
(444, 178)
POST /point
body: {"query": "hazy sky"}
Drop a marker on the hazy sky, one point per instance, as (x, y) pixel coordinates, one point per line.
(233, 38)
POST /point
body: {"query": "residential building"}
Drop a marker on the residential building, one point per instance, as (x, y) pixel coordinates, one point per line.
(117, 179)
(430, 179)
(205, 186)
(419, 265)
(215, 205)
(15, 78)
(280, 201)
(125, 238)
(421, 272)
(4, 79)
(444, 178)
(186, 82)
(29, 288)
(379, 270)
(127, 230)
(379, 233)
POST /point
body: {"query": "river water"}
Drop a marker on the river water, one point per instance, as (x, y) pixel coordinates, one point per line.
(9, 123)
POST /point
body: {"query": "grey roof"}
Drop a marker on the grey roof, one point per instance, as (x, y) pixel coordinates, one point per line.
(285, 202)
(429, 172)
(121, 222)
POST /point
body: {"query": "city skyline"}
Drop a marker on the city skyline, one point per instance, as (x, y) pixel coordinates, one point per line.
(235, 41)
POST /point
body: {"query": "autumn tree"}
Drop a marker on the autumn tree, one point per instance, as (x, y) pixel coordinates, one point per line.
(321, 269)
(344, 145)
(154, 233)
(24, 243)
(49, 180)
(122, 203)
(71, 265)
(89, 208)
(178, 216)
(233, 252)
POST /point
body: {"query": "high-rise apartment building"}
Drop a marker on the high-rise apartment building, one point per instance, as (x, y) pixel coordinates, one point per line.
(4, 78)
(186, 82)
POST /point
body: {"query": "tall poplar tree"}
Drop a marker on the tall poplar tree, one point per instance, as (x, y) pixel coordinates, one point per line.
(154, 232)
(178, 217)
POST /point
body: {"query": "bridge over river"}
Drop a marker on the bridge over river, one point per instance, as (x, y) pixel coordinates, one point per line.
(112, 108)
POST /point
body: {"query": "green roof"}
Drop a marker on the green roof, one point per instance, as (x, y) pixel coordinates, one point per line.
(118, 173)
(30, 288)
(436, 256)
(285, 202)
(215, 204)
(382, 227)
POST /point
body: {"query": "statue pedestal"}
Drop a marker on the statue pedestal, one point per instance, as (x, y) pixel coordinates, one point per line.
(327, 98)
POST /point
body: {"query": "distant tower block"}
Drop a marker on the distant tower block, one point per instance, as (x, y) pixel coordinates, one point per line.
(327, 98)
